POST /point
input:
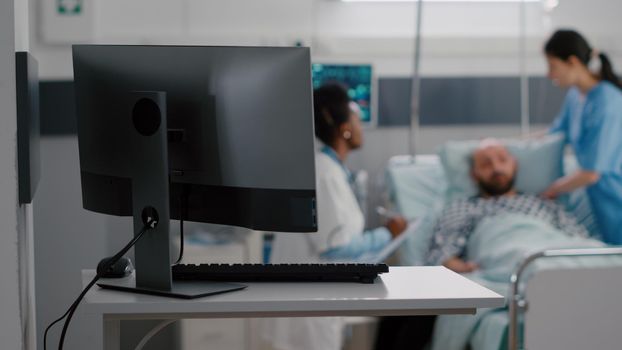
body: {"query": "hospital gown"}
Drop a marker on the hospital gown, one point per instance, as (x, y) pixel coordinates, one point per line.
(461, 217)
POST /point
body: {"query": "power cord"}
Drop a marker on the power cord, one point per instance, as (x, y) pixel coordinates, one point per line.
(69, 313)
(183, 213)
(181, 242)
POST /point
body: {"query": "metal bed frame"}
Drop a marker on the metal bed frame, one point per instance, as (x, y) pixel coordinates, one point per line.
(518, 303)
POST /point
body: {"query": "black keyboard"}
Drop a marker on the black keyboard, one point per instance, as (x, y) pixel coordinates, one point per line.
(362, 273)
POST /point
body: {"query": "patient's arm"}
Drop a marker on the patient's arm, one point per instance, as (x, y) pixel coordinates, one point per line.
(451, 232)
(460, 266)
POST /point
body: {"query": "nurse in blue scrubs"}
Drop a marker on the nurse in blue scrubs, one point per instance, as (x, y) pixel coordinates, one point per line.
(591, 120)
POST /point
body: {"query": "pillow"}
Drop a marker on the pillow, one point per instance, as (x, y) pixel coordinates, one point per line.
(540, 162)
(417, 189)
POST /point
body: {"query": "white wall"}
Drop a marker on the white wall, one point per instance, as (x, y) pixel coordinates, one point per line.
(68, 239)
(11, 217)
(459, 38)
(26, 237)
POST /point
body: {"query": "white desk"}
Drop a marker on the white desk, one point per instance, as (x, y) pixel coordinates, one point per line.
(402, 291)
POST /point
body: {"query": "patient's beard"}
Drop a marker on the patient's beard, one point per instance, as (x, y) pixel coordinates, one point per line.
(495, 190)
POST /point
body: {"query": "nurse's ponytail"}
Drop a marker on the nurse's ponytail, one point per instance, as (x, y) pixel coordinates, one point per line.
(565, 43)
(606, 71)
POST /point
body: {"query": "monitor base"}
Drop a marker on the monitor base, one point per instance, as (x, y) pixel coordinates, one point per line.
(180, 289)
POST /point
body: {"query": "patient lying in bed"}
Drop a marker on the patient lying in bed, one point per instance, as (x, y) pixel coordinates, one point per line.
(485, 238)
(493, 168)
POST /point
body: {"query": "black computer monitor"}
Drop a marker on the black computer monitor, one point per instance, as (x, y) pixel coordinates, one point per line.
(224, 134)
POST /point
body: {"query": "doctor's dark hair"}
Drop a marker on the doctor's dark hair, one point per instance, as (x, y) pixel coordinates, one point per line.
(565, 43)
(331, 105)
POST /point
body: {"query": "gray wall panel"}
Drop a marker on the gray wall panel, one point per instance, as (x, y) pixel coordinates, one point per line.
(470, 101)
(545, 100)
(476, 100)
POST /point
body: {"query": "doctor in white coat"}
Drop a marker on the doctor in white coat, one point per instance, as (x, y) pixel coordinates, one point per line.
(341, 232)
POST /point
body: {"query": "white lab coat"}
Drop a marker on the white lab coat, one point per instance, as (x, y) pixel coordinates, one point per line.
(339, 220)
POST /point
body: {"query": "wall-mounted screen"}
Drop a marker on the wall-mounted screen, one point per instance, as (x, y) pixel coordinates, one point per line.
(356, 78)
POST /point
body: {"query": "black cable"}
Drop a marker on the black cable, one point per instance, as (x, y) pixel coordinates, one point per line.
(73, 308)
(181, 241)
(69, 313)
(45, 335)
(182, 211)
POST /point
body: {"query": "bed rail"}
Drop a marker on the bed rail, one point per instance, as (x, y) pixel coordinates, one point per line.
(517, 300)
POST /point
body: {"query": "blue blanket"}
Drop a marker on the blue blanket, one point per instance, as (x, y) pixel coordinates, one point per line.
(498, 245)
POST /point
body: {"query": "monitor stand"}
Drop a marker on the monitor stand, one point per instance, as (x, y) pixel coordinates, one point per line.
(150, 201)
(179, 289)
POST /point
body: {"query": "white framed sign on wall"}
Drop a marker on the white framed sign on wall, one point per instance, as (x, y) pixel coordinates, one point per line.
(67, 21)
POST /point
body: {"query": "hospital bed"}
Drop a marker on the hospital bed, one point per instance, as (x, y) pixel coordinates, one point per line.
(576, 307)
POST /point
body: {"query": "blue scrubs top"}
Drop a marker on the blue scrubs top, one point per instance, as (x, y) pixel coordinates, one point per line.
(592, 124)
